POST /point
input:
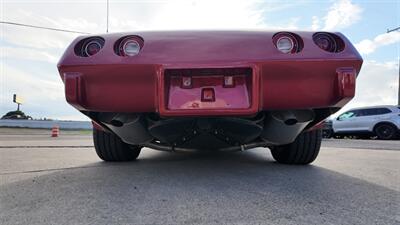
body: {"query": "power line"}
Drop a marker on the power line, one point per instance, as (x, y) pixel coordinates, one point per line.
(40, 27)
(395, 29)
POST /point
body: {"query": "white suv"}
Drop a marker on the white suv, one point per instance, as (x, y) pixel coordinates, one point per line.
(382, 121)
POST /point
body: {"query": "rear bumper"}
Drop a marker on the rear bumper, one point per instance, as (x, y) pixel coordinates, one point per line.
(275, 85)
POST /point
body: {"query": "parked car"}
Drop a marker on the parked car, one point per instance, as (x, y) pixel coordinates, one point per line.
(380, 121)
(222, 90)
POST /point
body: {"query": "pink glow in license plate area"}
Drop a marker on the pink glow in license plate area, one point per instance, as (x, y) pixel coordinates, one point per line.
(208, 91)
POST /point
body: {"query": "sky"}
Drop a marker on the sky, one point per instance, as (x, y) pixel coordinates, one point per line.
(28, 57)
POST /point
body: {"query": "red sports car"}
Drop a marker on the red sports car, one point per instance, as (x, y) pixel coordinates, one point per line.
(214, 90)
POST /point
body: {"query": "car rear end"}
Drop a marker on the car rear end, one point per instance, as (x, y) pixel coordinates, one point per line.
(395, 116)
(243, 88)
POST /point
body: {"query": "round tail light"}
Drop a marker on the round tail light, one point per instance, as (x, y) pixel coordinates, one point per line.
(287, 42)
(92, 48)
(129, 46)
(328, 42)
(89, 46)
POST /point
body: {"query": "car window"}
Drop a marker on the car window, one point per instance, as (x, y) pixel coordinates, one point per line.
(346, 115)
(370, 112)
(376, 111)
(384, 110)
(360, 112)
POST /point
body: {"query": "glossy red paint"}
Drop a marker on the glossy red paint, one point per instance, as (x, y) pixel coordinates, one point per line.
(346, 83)
(111, 83)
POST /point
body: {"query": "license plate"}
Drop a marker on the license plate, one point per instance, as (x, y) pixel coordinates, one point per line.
(213, 89)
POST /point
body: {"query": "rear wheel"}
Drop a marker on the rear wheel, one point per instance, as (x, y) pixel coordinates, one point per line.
(385, 131)
(327, 133)
(110, 147)
(303, 150)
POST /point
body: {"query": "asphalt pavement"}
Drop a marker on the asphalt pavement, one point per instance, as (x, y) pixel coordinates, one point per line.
(46, 180)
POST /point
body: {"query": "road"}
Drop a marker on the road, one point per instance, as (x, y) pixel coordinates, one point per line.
(47, 180)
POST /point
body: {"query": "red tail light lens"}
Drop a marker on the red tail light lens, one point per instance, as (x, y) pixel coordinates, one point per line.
(89, 46)
(92, 48)
(287, 42)
(328, 42)
(129, 46)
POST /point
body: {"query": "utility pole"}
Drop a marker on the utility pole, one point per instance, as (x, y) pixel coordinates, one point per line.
(398, 95)
(107, 14)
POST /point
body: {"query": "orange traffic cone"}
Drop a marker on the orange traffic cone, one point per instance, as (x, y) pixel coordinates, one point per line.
(55, 131)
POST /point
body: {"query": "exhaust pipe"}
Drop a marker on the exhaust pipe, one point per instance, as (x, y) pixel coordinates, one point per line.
(282, 127)
(131, 128)
(288, 117)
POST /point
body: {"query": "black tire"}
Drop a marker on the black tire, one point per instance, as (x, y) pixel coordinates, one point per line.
(110, 147)
(303, 150)
(385, 131)
(327, 133)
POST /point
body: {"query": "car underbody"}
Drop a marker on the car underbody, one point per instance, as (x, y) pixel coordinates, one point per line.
(266, 129)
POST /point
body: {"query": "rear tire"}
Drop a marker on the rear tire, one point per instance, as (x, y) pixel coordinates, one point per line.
(303, 150)
(109, 147)
(385, 131)
(327, 133)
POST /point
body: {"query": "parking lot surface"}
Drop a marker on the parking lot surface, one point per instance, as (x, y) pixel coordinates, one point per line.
(46, 180)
